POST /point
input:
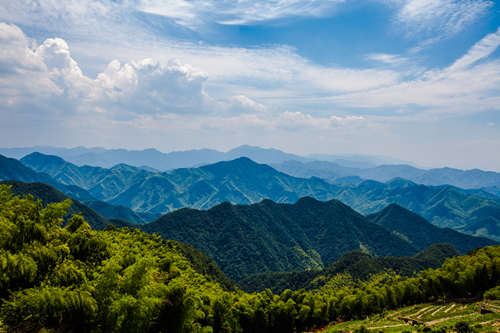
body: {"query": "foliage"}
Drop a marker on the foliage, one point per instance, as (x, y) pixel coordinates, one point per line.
(493, 293)
(73, 278)
(268, 236)
(419, 232)
(359, 265)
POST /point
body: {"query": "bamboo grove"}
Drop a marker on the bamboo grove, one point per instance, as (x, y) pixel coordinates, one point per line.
(59, 275)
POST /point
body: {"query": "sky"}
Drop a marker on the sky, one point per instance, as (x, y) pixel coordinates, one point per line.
(412, 79)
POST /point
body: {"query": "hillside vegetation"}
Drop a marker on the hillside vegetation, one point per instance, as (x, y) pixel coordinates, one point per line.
(429, 317)
(359, 265)
(248, 239)
(75, 279)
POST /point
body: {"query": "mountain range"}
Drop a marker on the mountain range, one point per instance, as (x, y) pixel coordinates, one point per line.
(242, 181)
(331, 167)
(155, 160)
(489, 181)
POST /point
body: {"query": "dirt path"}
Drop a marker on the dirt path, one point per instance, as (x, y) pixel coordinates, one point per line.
(496, 321)
(393, 315)
(437, 321)
(451, 307)
(424, 312)
(419, 312)
(386, 326)
(439, 309)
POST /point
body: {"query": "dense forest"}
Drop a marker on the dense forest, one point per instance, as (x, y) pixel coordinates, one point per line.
(63, 276)
(359, 265)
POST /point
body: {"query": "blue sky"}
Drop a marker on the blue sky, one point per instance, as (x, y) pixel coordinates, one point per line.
(416, 80)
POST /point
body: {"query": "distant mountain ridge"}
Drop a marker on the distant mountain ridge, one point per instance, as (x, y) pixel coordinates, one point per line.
(331, 167)
(152, 158)
(243, 181)
(489, 181)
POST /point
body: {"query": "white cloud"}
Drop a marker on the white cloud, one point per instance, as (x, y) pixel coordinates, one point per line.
(467, 86)
(389, 59)
(481, 50)
(22, 71)
(286, 121)
(300, 121)
(471, 90)
(436, 19)
(230, 12)
(33, 74)
(245, 103)
(190, 13)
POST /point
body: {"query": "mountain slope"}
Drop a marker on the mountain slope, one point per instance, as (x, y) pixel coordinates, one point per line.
(420, 233)
(246, 239)
(48, 194)
(11, 169)
(358, 264)
(442, 206)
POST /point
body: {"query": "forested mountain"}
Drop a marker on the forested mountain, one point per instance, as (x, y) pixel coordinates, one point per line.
(11, 169)
(238, 181)
(418, 231)
(443, 206)
(268, 236)
(47, 194)
(310, 234)
(244, 181)
(74, 279)
(359, 265)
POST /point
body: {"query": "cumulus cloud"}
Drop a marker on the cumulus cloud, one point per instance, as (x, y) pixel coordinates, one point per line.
(23, 72)
(245, 103)
(37, 73)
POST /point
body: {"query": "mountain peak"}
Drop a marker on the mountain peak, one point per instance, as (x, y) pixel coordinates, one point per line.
(37, 157)
(400, 182)
(395, 209)
(307, 200)
(239, 165)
